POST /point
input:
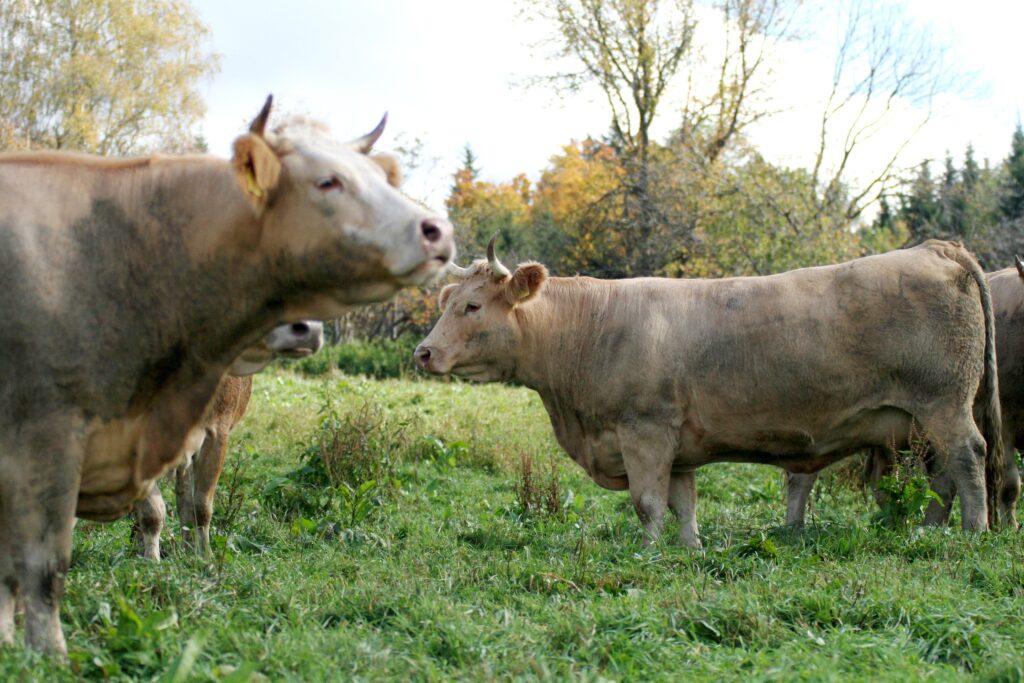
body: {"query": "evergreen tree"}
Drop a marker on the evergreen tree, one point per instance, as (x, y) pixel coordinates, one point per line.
(1012, 196)
(952, 202)
(920, 210)
(971, 174)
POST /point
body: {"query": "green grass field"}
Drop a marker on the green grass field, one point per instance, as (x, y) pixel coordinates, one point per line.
(436, 571)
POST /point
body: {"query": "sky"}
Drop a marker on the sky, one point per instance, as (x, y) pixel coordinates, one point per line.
(456, 72)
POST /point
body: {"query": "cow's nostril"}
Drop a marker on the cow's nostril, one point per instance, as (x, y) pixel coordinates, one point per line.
(423, 355)
(300, 328)
(431, 230)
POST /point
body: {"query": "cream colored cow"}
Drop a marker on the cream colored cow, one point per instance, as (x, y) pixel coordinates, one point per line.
(645, 380)
(130, 286)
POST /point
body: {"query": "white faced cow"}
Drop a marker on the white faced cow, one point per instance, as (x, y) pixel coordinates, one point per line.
(198, 472)
(646, 380)
(1007, 287)
(129, 288)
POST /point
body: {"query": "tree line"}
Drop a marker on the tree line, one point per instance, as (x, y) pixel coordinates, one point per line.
(122, 77)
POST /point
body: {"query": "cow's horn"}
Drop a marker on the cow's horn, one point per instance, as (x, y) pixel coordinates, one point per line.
(365, 143)
(1020, 265)
(458, 271)
(260, 122)
(498, 271)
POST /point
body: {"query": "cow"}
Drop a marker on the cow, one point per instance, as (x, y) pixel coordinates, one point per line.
(131, 285)
(1007, 288)
(647, 379)
(198, 472)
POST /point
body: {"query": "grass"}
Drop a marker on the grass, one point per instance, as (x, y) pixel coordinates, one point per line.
(444, 574)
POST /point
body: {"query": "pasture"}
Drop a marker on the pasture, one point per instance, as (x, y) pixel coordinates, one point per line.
(450, 566)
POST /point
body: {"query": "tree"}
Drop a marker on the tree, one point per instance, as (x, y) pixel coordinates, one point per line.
(481, 209)
(1012, 195)
(631, 50)
(886, 74)
(573, 216)
(920, 210)
(104, 76)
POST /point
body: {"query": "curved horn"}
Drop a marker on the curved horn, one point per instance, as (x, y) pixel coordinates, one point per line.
(498, 271)
(365, 143)
(1017, 261)
(260, 122)
(458, 271)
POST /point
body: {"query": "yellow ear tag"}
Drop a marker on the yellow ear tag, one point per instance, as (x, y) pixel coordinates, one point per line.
(252, 186)
(523, 293)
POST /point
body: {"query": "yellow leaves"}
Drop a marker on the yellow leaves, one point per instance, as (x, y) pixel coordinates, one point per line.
(106, 76)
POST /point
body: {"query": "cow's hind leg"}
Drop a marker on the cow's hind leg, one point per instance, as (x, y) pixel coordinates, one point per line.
(148, 518)
(1010, 490)
(961, 448)
(647, 453)
(940, 480)
(798, 492)
(682, 498)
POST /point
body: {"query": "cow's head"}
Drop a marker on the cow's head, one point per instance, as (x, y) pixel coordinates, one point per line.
(477, 334)
(292, 340)
(331, 217)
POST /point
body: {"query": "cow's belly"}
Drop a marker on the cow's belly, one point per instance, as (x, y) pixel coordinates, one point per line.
(803, 447)
(110, 483)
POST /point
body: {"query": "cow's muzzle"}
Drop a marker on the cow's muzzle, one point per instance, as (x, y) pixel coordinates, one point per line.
(427, 358)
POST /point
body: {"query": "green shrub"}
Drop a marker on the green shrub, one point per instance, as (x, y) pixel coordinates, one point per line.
(347, 469)
(380, 359)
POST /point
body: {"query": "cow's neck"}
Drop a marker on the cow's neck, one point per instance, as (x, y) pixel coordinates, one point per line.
(209, 295)
(558, 330)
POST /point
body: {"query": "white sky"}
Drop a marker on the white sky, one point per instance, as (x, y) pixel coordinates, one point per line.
(444, 71)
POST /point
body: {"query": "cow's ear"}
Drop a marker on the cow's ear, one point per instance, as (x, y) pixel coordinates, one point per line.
(1019, 262)
(390, 166)
(525, 282)
(257, 168)
(446, 293)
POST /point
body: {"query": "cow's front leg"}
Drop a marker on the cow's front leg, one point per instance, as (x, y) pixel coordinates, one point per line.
(798, 492)
(682, 498)
(38, 495)
(647, 453)
(207, 466)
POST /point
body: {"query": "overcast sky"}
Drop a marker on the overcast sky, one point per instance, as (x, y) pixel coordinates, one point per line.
(446, 73)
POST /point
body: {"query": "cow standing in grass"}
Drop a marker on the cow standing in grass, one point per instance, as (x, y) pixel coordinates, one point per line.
(647, 379)
(197, 474)
(129, 288)
(1007, 287)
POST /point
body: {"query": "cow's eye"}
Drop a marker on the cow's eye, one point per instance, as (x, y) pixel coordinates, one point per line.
(472, 308)
(327, 184)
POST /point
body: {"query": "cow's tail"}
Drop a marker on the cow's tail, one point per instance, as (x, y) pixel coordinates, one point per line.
(991, 422)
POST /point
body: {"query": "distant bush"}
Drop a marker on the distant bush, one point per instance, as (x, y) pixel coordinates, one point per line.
(379, 359)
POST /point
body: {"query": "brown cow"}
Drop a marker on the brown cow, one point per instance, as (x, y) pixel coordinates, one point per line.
(131, 285)
(196, 476)
(1008, 304)
(647, 379)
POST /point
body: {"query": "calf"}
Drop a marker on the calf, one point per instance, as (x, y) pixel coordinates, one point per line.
(647, 379)
(197, 474)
